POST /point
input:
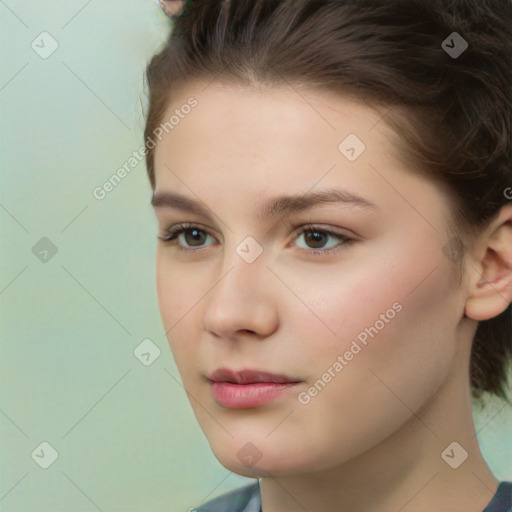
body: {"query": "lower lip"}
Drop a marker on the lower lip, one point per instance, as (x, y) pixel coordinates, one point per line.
(243, 396)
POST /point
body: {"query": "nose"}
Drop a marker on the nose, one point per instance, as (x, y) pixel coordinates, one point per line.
(242, 301)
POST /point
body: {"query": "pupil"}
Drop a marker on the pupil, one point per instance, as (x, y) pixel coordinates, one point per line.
(316, 235)
(195, 234)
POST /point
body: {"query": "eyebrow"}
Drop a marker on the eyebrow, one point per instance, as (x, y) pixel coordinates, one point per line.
(274, 207)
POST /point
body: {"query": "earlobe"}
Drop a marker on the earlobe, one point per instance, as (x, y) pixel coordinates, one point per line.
(491, 270)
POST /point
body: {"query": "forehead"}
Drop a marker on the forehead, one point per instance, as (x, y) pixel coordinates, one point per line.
(239, 147)
(280, 107)
(241, 127)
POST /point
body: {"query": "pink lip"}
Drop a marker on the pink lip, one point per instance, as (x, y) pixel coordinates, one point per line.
(245, 396)
(247, 388)
(248, 377)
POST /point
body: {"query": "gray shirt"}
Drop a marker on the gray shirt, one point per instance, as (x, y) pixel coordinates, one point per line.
(248, 499)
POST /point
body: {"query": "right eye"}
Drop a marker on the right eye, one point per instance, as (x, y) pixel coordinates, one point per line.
(171, 235)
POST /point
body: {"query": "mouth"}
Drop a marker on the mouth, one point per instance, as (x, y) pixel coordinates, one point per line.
(248, 388)
(249, 377)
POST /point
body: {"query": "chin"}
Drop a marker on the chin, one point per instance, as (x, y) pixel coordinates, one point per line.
(253, 462)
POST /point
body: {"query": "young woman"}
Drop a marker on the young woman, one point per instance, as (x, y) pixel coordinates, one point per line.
(332, 183)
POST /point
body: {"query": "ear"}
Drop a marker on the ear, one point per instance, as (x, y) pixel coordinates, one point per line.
(172, 8)
(490, 268)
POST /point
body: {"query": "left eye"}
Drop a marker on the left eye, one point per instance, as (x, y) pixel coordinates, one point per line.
(317, 237)
(313, 234)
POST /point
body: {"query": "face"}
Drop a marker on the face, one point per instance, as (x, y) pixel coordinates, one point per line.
(353, 301)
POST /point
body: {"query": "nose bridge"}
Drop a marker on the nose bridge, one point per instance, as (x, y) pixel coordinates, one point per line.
(240, 298)
(243, 268)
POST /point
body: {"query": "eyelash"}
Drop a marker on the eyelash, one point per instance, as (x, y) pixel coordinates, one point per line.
(171, 234)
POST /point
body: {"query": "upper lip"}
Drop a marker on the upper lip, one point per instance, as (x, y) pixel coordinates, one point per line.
(248, 376)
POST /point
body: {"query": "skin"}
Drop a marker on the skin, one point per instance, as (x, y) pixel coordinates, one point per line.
(372, 438)
(172, 8)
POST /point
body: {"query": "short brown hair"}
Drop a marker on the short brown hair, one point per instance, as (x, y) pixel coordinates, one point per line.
(458, 107)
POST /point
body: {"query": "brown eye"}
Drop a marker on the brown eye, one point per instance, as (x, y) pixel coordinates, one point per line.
(193, 235)
(317, 238)
(194, 238)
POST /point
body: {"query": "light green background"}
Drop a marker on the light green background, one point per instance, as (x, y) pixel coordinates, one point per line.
(125, 434)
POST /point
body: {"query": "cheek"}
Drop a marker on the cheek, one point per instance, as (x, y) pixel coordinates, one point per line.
(398, 281)
(395, 317)
(345, 303)
(177, 291)
(398, 368)
(176, 298)
(409, 351)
